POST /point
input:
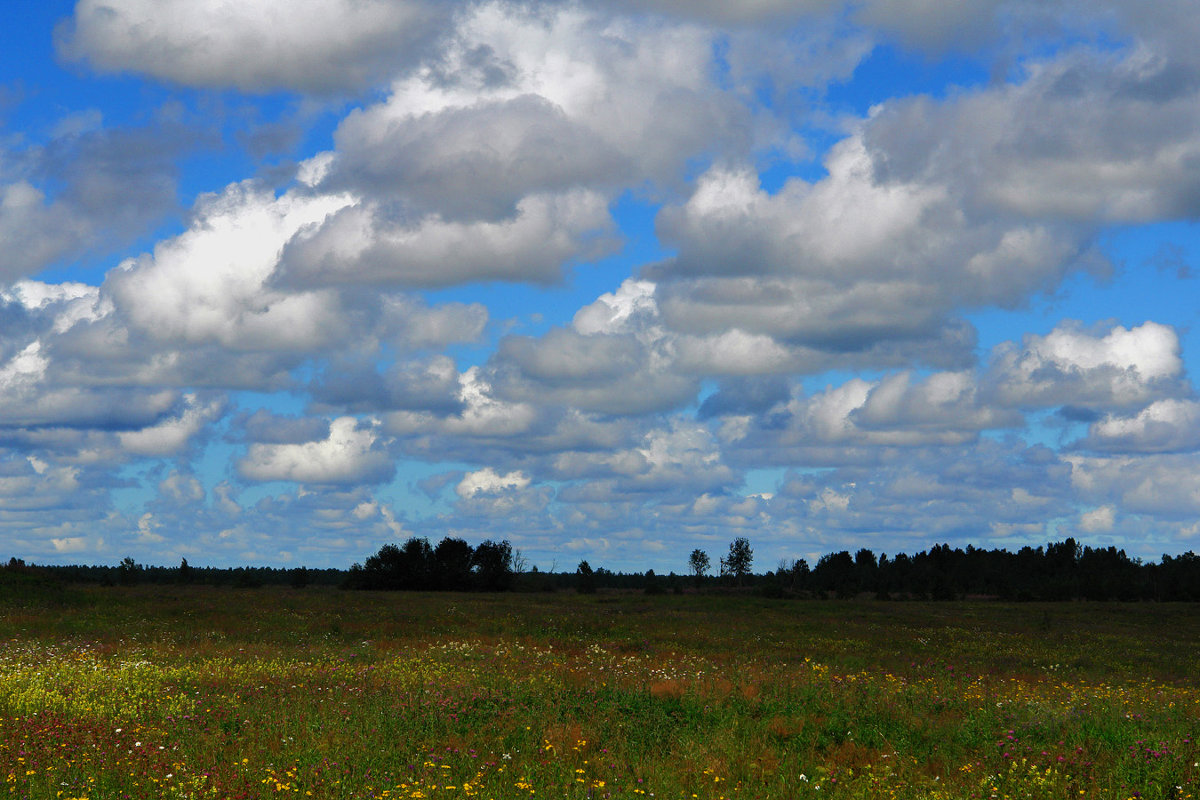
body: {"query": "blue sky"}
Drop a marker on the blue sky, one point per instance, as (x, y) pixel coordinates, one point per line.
(283, 282)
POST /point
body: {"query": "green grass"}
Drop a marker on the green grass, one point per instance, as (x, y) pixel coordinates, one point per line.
(201, 692)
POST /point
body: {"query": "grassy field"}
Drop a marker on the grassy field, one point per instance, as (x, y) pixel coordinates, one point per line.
(195, 692)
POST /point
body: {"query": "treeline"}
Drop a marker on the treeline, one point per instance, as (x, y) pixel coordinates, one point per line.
(1059, 571)
(131, 573)
(451, 566)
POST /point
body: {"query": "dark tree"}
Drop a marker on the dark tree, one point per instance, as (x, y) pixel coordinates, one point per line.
(698, 563)
(866, 570)
(492, 564)
(740, 558)
(835, 573)
(128, 572)
(417, 564)
(452, 564)
(585, 579)
(298, 578)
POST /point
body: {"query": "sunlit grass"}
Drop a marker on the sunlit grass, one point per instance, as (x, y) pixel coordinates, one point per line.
(193, 693)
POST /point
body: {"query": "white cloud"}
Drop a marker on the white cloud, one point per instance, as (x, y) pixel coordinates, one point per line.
(71, 544)
(349, 455)
(527, 101)
(895, 411)
(1163, 426)
(510, 142)
(682, 458)
(181, 488)
(1088, 136)
(254, 45)
(488, 481)
(86, 190)
(1098, 520)
(1120, 367)
(617, 312)
(733, 352)
(849, 265)
(25, 220)
(601, 373)
(209, 283)
(944, 401)
(172, 435)
(361, 245)
(1166, 485)
(146, 530)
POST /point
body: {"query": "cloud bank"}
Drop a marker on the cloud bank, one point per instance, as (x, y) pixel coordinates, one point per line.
(611, 280)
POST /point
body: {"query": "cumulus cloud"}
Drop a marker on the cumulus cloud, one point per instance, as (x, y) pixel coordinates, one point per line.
(527, 101)
(623, 311)
(1162, 485)
(413, 325)
(862, 419)
(1115, 368)
(1098, 520)
(602, 373)
(681, 457)
(1164, 426)
(751, 11)
(352, 453)
(1086, 136)
(362, 244)
(48, 508)
(488, 481)
(499, 142)
(209, 283)
(844, 264)
(256, 46)
(170, 436)
(431, 386)
(88, 189)
(941, 402)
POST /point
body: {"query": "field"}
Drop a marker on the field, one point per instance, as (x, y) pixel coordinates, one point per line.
(194, 692)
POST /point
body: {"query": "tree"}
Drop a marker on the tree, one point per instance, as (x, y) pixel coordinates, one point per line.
(128, 571)
(452, 564)
(740, 557)
(493, 565)
(698, 563)
(585, 578)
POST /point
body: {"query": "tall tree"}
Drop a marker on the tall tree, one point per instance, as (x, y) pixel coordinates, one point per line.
(493, 565)
(698, 563)
(585, 578)
(740, 557)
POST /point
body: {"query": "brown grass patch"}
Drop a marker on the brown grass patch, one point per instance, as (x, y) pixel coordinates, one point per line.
(784, 727)
(671, 688)
(850, 755)
(566, 737)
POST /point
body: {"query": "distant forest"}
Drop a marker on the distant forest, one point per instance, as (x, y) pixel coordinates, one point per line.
(1059, 571)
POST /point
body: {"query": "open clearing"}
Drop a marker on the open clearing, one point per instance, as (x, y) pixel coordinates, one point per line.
(195, 692)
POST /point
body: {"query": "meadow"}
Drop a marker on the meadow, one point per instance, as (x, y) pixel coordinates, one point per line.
(202, 692)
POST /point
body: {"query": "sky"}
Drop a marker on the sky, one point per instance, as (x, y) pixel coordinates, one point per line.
(282, 282)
